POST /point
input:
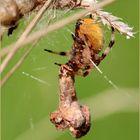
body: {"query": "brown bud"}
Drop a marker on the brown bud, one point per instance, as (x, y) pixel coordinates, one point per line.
(9, 13)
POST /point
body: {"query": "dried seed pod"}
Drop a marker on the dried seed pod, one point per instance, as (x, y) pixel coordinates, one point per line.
(9, 13)
(70, 114)
(25, 6)
(67, 4)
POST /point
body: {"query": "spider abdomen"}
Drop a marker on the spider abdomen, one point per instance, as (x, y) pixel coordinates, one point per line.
(91, 33)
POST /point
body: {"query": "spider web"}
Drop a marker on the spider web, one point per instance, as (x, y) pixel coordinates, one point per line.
(51, 15)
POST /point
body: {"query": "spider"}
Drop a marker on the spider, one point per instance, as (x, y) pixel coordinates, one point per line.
(88, 43)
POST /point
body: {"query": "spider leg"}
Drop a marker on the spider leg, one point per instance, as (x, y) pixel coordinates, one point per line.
(58, 64)
(111, 43)
(58, 53)
(90, 16)
(77, 39)
(11, 29)
(73, 36)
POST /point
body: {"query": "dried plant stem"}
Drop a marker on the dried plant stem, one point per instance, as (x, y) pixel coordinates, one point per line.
(70, 113)
(5, 50)
(24, 35)
(16, 66)
(47, 30)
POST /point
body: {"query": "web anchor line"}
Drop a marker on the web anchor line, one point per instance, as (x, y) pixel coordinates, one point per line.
(105, 77)
(35, 78)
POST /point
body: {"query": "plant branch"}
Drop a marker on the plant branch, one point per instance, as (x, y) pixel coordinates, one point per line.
(24, 35)
(18, 64)
(70, 113)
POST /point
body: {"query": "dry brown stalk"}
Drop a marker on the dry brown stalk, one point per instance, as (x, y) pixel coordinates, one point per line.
(70, 113)
(24, 35)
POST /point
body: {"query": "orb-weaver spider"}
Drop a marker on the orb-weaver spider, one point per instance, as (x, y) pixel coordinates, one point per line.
(88, 42)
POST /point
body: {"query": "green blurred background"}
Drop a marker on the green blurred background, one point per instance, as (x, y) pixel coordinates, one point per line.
(27, 102)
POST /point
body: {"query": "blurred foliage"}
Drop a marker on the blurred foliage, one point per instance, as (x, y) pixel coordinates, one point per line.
(26, 102)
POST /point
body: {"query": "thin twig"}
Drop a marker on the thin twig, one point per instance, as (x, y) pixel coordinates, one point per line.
(5, 50)
(16, 66)
(49, 29)
(24, 35)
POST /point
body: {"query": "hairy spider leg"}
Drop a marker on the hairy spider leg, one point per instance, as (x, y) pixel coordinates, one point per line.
(58, 64)
(58, 53)
(111, 43)
(77, 39)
